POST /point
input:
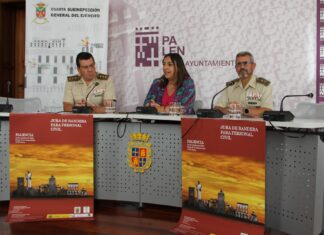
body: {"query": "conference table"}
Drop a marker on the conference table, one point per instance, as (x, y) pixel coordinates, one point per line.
(294, 166)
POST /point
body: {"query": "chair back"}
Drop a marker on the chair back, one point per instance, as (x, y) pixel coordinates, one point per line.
(308, 110)
(27, 105)
(197, 105)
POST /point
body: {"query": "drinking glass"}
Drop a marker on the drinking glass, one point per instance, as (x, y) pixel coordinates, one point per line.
(174, 108)
(110, 107)
(235, 110)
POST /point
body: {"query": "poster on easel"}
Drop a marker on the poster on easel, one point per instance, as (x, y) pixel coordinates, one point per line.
(51, 167)
(56, 31)
(223, 177)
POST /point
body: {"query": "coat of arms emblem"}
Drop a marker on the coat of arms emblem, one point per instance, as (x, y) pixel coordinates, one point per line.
(139, 152)
(40, 13)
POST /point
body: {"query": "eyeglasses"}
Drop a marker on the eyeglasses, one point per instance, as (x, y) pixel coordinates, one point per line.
(244, 63)
(91, 66)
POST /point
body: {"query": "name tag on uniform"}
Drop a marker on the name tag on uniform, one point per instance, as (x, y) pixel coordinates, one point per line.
(98, 92)
(253, 99)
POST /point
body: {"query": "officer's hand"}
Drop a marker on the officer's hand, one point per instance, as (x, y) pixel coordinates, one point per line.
(80, 103)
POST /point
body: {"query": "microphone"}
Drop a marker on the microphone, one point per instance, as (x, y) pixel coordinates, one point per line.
(6, 108)
(281, 115)
(147, 109)
(86, 99)
(231, 83)
(310, 95)
(213, 113)
(85, 108)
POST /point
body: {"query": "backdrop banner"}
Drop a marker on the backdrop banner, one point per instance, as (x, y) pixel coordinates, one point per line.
(223, 177)
(320, 52)
(56, 31)
(280, 34)
(51, 167)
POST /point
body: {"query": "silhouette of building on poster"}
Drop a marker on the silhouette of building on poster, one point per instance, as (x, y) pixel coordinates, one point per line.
(219, 206)
(20, 186)
(221, 202)
(192, 199)
(51, 189)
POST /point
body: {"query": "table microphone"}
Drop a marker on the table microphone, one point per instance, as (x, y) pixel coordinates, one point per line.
(85, 108)
(147, 109)
(281, 115)
(213, 113)
(6, 108)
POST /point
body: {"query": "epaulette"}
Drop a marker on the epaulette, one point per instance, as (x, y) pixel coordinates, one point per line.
(73, 78)
(232, 81)
(102, 76)
(263, 81)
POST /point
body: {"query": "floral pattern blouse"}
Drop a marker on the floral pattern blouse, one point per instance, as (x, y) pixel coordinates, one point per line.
(185, 94)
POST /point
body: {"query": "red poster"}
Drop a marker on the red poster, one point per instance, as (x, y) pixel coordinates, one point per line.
(51, 167)
(223, 177)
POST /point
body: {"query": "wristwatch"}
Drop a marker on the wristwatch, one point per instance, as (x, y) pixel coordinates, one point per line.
(246, 111)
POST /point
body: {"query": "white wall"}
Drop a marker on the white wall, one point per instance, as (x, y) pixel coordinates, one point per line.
(281, 34)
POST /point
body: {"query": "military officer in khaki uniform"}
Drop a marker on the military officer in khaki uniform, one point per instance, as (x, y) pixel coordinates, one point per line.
(98, 87)
(252, 93)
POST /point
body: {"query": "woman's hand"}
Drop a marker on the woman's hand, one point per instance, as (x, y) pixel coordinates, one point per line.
(159, 108)
(152, 103)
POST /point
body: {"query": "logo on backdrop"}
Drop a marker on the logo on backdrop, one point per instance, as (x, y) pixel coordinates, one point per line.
(89, 46)
(139, 152)
(150, 47)
(321, 90)
(40, 13)
(147, 46)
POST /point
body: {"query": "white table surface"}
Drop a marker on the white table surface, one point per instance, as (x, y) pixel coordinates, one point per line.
(296, 123)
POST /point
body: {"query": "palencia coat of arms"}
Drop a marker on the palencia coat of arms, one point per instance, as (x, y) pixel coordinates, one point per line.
(139, 152)
(40, 13)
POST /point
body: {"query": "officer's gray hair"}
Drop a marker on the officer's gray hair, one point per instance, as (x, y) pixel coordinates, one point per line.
(245, 53)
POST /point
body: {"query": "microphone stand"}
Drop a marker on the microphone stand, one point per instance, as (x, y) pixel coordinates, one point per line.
(281, 115)
(85, 108)
(147, 109)
(213, 113)
(6, 108)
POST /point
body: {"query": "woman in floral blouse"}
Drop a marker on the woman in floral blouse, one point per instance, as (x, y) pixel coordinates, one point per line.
(175, 85)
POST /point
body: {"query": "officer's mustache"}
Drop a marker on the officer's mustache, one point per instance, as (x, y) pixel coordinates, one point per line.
(243, 73)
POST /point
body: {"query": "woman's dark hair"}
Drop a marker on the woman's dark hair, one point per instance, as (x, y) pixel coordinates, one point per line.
(180, 69)
(83, 56)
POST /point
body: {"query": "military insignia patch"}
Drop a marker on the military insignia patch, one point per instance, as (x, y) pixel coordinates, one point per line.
(139, 152)
(253, 99)
(263, 81)
(74, 78)
(40, 13)
(101, 76)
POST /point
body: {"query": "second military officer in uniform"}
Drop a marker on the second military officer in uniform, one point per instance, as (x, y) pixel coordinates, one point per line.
(89, 87)
(252, 93)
